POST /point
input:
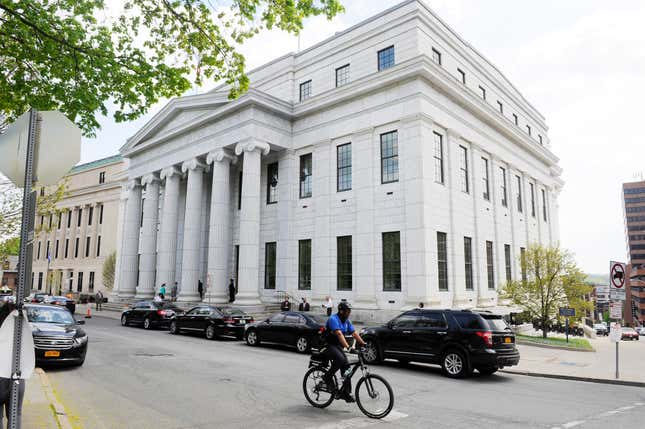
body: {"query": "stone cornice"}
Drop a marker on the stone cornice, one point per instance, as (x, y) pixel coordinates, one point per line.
(220, 155)
(251, 145)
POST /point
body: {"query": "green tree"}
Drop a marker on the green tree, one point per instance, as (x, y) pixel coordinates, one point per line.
(58, 55)
(109, 266)
(553, 280)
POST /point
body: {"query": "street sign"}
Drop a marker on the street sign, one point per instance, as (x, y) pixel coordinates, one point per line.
(567, 312)
(617, 277)
(58, 148)
(616, 310)
(615, 332)
(617, 295)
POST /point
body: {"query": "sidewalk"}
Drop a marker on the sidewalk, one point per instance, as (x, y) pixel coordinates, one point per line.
(600, 364)
(37, 410)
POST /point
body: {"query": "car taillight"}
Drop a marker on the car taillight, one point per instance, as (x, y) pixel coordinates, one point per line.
(487, 336)
(321, 330)
(229, 321)
(161, 312)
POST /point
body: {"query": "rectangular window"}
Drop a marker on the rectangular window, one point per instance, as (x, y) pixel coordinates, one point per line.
(66, 248)
(462, 76)
(305, 90)
(385, 58)
(483, 92)
(392, 261)
(304, 264)
(38, 253)
(90, 215)
(390, 157)
(47, 254)
(528, 130)
(98, 246)
(468, 262)
(60, 219)
(518, 194)
(269, 265)
(500, 107)
(344, 263)
(507, 260)
(540, 139)
(485, 179)
(490, 267)
(463, 169)
(56, 250)
(544, 205)
(76, 247)
(515, 119)
(436, 56)
(51, 216)
(79, 217)
(306, 176)
(532, 187)
(102, 177)
(91, 285)
(79, 284)
(87, 247)
(523, 262)
(442, 260)
(101, 214)
(69, 218)
(239, 191)
(502, 172)
(272, 183)
(344, 167)
(71, 280)
(40, 281)
(342, 75)
(438, 158)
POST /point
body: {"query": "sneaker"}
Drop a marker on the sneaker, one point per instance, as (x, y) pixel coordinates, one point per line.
(347, 397)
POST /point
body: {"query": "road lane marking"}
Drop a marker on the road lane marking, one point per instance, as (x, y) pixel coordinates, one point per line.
(573, 424)
(361, 422)
(599, 416)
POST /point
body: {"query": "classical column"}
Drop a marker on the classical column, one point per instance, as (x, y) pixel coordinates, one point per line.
(219, 233)
(129, 261)
(250, 221)
(123, 198)
(95, 230)
(166, 259)
(84, 216)
(190, 256)
(148, 259)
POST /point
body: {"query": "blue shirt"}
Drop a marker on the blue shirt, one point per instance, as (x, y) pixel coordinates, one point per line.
(335, 324)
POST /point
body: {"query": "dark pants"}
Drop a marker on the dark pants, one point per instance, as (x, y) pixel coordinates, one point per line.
(328, 311)
(5, 400)
(338, 361)
(99, 304)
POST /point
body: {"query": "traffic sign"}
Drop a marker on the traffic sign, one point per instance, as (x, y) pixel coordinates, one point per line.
(615, 332)
(617, 277)
(567, 312)
(616, 310)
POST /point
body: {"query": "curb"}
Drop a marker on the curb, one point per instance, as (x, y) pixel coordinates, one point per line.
(576, 378)
(550, 346)
(59, 411)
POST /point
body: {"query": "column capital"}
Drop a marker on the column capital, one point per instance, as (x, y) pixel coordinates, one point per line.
(220, 155)
(169, 172)
(193, 164)
(150, 179)
(251, 145)
(133, 184)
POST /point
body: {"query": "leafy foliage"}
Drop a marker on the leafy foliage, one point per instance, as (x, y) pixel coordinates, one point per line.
(109, 266)
(553, 280)
(59, 55)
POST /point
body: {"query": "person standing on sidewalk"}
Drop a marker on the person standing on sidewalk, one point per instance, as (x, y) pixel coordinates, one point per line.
(8, 316)
(173, 292)
(98, 299)
(329, 305)
(231, 291)
(200, 289)
(162, 291)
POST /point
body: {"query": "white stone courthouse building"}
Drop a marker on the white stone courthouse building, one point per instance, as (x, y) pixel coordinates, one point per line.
(388, 165)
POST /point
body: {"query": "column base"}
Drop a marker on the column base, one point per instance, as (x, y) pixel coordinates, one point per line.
(247, 299)
(124, 294)
(188, 297)
(216, 298)
(144, 294)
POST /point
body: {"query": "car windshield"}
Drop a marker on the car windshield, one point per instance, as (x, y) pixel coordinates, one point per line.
(628, 330)
(318, 319)
(228, 311)
(49, 315)
(496, 323)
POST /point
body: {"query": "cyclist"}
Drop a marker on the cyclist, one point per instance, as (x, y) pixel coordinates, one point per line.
(338, 325)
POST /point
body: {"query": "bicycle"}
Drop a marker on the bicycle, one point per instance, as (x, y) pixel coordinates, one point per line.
(373, 393)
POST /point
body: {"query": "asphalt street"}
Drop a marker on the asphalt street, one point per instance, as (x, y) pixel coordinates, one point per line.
(151, 379)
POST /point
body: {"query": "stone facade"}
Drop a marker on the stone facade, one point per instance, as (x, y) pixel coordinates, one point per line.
(444, 151)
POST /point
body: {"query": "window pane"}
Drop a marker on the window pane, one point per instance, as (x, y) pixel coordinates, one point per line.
(304, 264)
(305, 90)
(502, 180)
(342, 75)
(305, 176)
(468, 262)
(272, 183)
(436, 56)
(518, 195)
(386, 58)
(544, 205)
(442, 260)
(523, 262)
(344, 167)
(269, 265)
(438, 158)
(463, 169)
(507, 260)
(344, 263)
(389, 157)
(486, 192)
(490, 268)
(391, 261)
(532, 187)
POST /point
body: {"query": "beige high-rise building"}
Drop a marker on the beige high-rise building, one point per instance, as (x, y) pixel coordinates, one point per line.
(84, 235)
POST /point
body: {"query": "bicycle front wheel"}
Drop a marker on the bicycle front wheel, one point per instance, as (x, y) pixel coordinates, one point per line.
(316, 390)
(374, 396)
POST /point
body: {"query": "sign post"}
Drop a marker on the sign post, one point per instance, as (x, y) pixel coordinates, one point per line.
(617, 295)
(615, 334)
(567, 312)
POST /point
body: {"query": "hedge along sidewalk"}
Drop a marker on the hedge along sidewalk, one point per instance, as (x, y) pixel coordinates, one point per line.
(574, 344)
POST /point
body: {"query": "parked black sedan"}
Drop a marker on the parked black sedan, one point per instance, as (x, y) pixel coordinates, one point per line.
(150, 314)
(299, 330)
(212, 321)
(62, 301)
(57, 337)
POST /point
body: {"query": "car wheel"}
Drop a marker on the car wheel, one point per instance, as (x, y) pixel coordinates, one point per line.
(487, 370)
(147, 323)
(173, 328)
(124, 320)
(210, 332)
(252, 338)
(302, 345)
(371, 354)
(454, 364)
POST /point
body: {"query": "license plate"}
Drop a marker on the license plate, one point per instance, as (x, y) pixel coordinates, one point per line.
(508, 340)
(52, 353)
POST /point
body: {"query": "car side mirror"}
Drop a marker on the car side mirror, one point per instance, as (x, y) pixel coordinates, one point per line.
(390, 325)
(80, 322)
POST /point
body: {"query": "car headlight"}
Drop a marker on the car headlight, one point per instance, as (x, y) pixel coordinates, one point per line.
(80, 340)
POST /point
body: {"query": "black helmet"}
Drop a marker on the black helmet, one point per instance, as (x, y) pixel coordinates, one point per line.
(344, 306)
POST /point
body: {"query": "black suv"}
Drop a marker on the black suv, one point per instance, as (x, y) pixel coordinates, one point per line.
(458, 340)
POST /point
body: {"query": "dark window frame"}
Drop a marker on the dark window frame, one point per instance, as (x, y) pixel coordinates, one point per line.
(389, 162)
(272, 182)
(304, 264)
(436, 56)
(87, 246)
(468, 263)
(532, 187)
(486, 179)
(482, 91)
(391, 261)
(442, 261)
(76, 246)
(98, 246)
(503, 187)
(518, 196)
(342, 75)
(306, 175)
(344, 278)
(270, 264)
(381, 55)
(500, 107)
(240, 177)
(343, 167)
(490, 265)
(439, 173)
(462, 74)
(463, 170)
(305, 90)
(544, 209)
(507, 263)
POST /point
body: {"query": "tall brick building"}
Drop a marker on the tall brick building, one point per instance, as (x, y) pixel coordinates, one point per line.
(634, 204)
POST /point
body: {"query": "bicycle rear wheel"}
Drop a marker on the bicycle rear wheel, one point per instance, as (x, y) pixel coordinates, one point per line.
(374, 396)
(315, 389)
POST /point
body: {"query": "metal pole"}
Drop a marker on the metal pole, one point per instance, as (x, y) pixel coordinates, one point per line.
(566, 328)
(26, 250)
(617, 375)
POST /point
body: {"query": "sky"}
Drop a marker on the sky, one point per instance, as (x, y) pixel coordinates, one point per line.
(579, 62)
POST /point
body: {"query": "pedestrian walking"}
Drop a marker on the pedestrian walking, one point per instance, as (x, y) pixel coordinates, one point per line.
(162, 291)
(173, 292)
(200, 289)
(286, 305)
(98, 300)
(231, 291)
(8, 316)
(329, 305)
